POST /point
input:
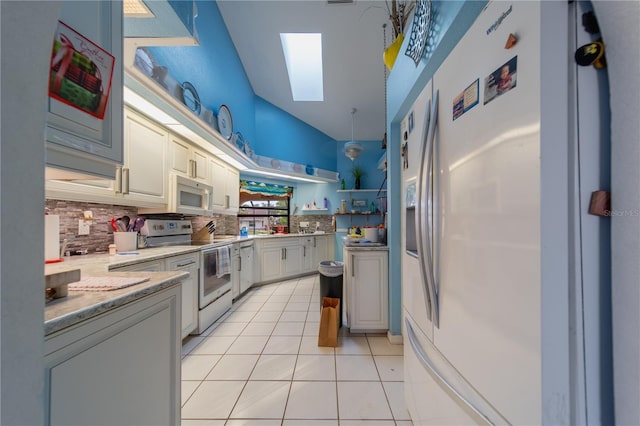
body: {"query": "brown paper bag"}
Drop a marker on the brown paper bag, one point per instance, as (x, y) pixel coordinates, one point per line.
(328, 334)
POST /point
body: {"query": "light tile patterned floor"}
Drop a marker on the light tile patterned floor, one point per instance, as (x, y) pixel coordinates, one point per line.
(260, 365)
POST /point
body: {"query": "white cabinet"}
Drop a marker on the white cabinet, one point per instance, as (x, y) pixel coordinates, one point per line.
(141, 181)
(279, 258)
(365, 281)
(188, 161)
(150, 265)
(143, 176)
(226, 186)
(323, 249)
(315, 249)
(246, 266)
(188, 263)
(235, 270)
(120, 367)
(308, 254)
(75, 140)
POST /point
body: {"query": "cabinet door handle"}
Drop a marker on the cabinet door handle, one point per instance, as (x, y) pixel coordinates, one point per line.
(195, 169)
(227, 201)
(353, 266)
(285, 253)
(239, 263)
(118, 180)
(125, 180)
(182, 265)
(282, 253)
(304, 251)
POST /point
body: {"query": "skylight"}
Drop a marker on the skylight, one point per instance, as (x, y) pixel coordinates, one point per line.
(303, 55)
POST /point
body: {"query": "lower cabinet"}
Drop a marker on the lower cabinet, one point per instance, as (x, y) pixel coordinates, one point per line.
(188, 263)
(120, 367)
(246, 267)
(280, 258)
(286, 257)
(235, 270)
(367, 290)
(308, 258)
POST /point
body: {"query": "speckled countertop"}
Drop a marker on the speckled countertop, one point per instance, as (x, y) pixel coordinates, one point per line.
(80, 305)
(367, 248)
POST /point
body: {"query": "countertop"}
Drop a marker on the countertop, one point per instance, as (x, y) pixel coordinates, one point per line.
(366, 247)
(80, 305)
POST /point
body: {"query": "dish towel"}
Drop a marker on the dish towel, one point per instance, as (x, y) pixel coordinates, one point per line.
(105, 283)
(224, 261)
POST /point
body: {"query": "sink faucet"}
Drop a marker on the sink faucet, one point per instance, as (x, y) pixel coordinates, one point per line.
(63, 248)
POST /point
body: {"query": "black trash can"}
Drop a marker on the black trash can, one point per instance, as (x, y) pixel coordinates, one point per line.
(331, 281)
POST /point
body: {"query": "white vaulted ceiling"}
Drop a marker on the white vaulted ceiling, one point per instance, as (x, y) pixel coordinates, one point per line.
(352, 37)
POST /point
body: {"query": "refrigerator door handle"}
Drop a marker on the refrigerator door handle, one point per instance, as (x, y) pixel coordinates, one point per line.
(431, 243)
(432, 370)
(418, 211)
(422, 211)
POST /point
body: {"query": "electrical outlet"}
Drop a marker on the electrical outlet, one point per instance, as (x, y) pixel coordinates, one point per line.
(84, 228)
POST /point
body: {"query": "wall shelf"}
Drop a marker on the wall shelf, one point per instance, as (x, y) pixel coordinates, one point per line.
(304, 209)
(362, 190)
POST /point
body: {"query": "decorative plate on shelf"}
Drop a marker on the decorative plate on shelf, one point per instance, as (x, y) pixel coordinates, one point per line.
(225, 122)
(239, 141)
(247, 149)
(190, 97)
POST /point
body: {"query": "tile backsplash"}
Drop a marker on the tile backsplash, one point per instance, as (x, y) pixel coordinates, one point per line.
(101, 234)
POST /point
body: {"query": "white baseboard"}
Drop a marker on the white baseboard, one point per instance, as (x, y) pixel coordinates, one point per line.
(394, 339)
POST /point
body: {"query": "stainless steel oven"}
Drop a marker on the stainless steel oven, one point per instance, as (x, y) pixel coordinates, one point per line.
(215, 278)
(214, 296)
(214, 286)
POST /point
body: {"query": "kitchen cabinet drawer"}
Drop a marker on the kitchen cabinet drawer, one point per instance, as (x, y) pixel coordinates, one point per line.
(150, 265)
(76, 141)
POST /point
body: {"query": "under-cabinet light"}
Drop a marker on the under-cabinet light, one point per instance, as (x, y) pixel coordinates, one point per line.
(303, 56)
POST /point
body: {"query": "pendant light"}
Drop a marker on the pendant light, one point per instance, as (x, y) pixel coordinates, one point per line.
(353, 149)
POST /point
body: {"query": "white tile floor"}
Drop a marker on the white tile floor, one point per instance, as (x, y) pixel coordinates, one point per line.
(260, 364)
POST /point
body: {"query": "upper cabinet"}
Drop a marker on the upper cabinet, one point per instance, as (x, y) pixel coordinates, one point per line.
(226, 187)
(162, 23)
(78, 141)
(187, 160)
(141, 181)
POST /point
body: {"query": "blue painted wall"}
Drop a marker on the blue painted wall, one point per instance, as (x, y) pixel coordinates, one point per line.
(214, 68)
(281, 135)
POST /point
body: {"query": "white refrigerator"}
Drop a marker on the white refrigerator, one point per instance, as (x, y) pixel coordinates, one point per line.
(496, 313)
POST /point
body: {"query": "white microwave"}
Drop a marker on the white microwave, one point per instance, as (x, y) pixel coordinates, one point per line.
(186, 196)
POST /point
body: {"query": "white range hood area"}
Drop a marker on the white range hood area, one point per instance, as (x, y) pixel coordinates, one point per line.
(144, 94)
